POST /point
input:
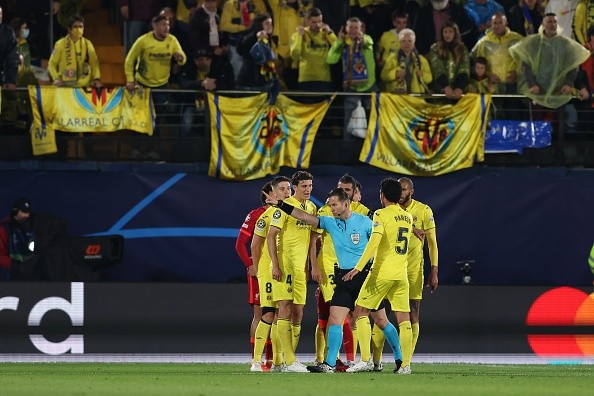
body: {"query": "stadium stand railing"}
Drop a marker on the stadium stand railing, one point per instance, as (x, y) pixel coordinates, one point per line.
(572, 147)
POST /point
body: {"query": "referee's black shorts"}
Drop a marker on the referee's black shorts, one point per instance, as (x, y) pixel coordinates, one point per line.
(346, 293)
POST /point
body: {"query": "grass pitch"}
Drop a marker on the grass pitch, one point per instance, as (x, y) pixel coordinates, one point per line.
(235, 379)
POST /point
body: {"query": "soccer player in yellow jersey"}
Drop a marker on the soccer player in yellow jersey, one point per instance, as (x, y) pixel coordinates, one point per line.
(149, 60)
(392, 230)
(281, 187)
(424, 222)
(288, 244)
(323, 273)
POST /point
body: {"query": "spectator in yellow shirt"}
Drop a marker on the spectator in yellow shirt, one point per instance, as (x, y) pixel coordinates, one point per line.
(74, 61)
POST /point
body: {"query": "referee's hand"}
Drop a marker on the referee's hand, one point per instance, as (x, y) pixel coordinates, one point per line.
(350, 275)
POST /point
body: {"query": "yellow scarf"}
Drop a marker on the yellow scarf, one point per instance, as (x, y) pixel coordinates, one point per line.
(75, 67)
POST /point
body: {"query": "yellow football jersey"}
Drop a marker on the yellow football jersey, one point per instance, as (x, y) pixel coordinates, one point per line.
(261, 229)
(422, 218)
(391, 234)
(293, 239)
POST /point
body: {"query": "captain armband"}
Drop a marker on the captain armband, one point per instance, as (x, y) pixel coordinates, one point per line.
(285, 207)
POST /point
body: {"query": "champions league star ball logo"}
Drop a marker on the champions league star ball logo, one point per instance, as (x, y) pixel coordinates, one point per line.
(98, 100)
(429, 136)
(270, 132)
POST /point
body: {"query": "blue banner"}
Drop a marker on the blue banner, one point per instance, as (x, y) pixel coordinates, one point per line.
(514, 136)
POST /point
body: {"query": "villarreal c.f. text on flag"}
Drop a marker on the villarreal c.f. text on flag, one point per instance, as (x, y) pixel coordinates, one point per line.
(409, 136)
(86, 110)
(251, 138)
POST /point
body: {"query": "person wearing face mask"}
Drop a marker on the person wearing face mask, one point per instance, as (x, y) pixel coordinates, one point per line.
(432, 17)
(17, 107)
(21, 31)
(74, 61)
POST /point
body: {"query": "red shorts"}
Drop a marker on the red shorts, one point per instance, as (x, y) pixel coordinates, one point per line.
(253, 290)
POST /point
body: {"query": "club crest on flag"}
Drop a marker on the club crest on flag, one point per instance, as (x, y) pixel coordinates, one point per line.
(429, 136)
(98, 101)
(270, 131)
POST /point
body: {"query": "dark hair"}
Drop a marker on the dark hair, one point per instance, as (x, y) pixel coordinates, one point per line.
(339, 193)
(354, 20)
(279, 179)
(549, 14)
(391, 189)
(75, 18)
(482, 60)
(314, 12)
(456, 46)
(359, 187)
(159, 18)
(202, 53)
(257, 23)
(399, 14)
(590, 32)
(267, 188)
(300, 176)
(347, 179)
(16, 24)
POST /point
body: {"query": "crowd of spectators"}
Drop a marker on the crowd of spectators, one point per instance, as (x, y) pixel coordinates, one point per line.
(446, 47)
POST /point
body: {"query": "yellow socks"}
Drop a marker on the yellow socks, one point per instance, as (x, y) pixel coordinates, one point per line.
(296, 330)
(404, 328)
(364, 336)
(286, 340)
(377, 340)
(415, 336)
(262, 333)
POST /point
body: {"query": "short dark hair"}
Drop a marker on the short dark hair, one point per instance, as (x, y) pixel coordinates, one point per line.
(549, 14)
(359, 187)
(339, 193)
(482, 60)
(267, 188)
(159, 18)
(590, 32)
(202, 53)
(399, 14)
(279, 179)
(347, 179)
(391, 189)
(75, 18)
(314, 12)
(300, 176)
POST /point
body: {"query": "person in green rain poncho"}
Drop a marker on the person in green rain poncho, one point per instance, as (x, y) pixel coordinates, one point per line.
(549, 63)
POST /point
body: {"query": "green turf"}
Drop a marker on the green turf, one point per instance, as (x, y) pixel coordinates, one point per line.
(234, 379)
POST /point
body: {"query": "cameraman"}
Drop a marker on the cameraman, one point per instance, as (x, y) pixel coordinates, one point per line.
(16, 237)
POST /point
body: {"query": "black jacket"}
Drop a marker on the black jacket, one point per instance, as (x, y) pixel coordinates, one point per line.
(9, 61)
(424, 27)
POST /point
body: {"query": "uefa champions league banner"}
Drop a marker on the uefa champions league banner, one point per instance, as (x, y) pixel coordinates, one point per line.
(182, 227)
(86, 110)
